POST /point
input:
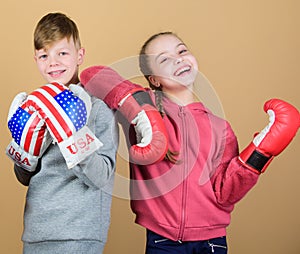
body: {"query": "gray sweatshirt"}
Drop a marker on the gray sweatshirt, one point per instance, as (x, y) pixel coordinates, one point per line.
(73, 204)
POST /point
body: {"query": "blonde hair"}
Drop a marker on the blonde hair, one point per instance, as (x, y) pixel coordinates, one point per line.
(54, 27)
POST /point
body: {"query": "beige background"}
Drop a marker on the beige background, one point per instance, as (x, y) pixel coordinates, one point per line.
(248, 50)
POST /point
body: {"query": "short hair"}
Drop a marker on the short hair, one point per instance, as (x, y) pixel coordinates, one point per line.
(54, 27)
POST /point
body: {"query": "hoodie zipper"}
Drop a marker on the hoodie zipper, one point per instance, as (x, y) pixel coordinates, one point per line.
(184, 181)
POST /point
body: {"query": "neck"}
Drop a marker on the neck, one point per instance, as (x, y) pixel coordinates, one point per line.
(181, 97)
(74, 81)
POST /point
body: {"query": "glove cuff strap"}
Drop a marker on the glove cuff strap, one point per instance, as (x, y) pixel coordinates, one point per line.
(258, 161)
(20, 157)
(79, 146)
(255, 160)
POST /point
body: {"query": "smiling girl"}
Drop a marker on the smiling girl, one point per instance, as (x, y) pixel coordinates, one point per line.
(185, 200)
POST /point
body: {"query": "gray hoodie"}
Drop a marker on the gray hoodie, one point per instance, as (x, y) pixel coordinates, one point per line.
(73, 204)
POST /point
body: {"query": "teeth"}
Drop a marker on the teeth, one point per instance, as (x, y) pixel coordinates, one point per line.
(179, 72)
(55, 72)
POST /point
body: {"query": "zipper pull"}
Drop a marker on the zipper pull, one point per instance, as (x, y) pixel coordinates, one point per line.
(215, 245)
(181, 111)
(212, 247)
(160, 240)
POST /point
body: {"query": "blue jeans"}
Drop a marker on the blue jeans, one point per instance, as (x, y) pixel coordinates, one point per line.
(157, 244)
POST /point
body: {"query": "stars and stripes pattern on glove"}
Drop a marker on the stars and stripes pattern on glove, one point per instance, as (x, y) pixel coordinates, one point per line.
(67, 113)
(30, 137)
(66, 116)
(28, 130)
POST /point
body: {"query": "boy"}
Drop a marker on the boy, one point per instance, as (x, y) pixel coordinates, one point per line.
(68, 210)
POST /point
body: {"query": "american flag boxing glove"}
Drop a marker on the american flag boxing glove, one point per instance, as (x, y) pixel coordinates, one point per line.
(30, 135)
(66, 117)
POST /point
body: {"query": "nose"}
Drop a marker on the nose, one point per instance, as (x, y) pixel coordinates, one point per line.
(52, 61)
(178, 60)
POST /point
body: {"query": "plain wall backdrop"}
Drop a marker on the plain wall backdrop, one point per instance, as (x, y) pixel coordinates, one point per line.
(248, 50)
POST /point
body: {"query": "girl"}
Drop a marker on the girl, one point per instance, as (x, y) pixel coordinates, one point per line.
(185, 200)
(190, 213)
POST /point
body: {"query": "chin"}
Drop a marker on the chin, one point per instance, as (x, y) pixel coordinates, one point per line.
(187, 82)
(61, 81)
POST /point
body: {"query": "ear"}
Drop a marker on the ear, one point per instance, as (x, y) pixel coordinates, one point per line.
(81, 54)
(153, 80)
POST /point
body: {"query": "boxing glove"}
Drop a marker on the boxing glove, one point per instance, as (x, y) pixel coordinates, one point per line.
(30, 135)
(284, 121)
(66, 116)
(136, 106)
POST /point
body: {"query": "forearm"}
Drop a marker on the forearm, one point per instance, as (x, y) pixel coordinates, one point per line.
(23, 175)
(231, 180)
(234, 183)
(97, 169)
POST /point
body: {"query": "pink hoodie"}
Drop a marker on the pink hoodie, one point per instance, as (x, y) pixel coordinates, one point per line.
(193, 199)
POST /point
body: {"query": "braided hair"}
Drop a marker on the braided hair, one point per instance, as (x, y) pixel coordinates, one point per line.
(146, 70)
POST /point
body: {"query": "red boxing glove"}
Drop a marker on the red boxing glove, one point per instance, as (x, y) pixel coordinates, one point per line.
(136, 105)
(274, 138)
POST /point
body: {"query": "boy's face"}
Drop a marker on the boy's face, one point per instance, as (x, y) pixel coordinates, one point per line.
(59, 62)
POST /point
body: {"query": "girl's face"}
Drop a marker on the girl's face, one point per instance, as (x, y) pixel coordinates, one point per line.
(60, 61)
(172, 64)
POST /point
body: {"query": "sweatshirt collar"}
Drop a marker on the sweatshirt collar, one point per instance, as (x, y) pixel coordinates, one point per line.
(198, 106)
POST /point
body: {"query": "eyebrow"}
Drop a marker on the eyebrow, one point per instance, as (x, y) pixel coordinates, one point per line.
(164, 52)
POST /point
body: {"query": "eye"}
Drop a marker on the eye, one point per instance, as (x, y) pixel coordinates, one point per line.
(43, 57)
(182, 49)
(63, 53)
(163, 60)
